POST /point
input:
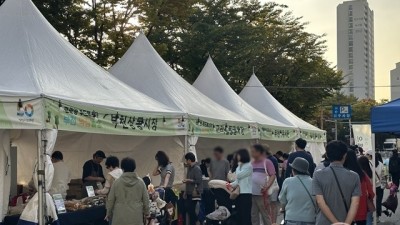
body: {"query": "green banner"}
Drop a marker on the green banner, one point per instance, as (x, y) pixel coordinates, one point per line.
(28, 113)
(313, 136)
(210, 128)
(277, 133)
(69, 116)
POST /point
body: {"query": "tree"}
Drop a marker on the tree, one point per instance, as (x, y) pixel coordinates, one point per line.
(103, 30)
(241, 36)
(361, 110)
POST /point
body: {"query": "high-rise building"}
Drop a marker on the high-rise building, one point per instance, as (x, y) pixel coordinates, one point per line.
(355, 48)
(395, 82)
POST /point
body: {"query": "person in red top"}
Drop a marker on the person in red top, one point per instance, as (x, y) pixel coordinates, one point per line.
(352, 163)
(365, 165)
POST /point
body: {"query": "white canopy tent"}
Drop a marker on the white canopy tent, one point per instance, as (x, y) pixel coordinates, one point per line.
(211, 83)
(143, 69)
(257, 96)
(46, 83)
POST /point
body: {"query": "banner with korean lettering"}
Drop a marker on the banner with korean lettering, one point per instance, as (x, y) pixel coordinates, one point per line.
(313, 136)
(209, 128)
(362, 136)
(21, 113)
(273, 133)
(92, 119)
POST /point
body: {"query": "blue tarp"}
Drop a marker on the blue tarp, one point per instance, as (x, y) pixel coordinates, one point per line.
(386, 118)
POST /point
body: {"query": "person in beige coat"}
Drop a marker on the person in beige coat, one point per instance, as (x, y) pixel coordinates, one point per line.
(128, 200)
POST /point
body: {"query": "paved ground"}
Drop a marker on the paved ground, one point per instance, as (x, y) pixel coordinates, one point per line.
(393, 220)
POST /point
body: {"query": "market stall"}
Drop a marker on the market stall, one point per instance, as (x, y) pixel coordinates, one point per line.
(210, 124)
(92, 215)
(385, 118)
(276, 134)
(47, 84)
(255, 94)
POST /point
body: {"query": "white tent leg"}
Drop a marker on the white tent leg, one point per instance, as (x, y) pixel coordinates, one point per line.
(41, 178)
(374, 174)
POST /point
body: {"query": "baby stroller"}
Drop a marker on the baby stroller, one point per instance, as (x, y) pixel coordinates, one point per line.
(226, 212)
(391, 202)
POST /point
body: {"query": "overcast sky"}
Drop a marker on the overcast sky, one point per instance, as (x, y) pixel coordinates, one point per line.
(321, 15)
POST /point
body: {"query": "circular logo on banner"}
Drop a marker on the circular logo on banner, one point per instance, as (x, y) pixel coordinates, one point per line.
(29, 110)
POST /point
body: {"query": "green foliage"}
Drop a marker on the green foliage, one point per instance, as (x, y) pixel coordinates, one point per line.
(361, 110)
(103, 30)
(239, 34)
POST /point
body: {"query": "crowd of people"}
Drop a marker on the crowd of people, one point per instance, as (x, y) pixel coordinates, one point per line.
(337, 190)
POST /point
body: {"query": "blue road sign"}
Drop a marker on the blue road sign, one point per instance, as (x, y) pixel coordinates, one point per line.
(341, 112)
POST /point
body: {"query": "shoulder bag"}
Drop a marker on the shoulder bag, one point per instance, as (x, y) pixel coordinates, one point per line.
(370, 202)
(274, 187)
(340, 189)
(309, 195)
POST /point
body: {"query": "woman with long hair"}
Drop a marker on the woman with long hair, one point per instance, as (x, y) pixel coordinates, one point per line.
(352, 163)
(165, 169)
(366, 166)
(244, 172)
(167, 173)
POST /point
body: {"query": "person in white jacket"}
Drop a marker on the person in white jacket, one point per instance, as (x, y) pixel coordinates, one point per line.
(62, 175)
(112, 164)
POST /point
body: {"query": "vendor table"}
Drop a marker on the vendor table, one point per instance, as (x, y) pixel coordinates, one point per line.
(90, 216)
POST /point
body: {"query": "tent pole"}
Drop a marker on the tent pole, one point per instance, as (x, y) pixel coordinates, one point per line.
(40, 178)
(336, 131)
(40, 181)
(374, 174)
(350, 136)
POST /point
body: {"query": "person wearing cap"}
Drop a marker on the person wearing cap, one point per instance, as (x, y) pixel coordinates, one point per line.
(93, 172)
(296, 199)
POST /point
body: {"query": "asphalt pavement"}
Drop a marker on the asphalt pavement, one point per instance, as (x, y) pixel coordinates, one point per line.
(393, 220)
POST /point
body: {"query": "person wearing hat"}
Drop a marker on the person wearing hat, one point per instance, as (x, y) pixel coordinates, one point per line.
(296, 199)
(93, 172)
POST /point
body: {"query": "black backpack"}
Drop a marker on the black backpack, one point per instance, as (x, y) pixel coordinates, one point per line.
(394, 165)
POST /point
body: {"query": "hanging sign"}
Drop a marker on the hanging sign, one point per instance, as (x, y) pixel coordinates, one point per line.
(69, 116)
(363, 136)
(20, 113)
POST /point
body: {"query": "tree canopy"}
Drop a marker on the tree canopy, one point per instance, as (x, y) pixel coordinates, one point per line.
(239, 34)
(361, 110)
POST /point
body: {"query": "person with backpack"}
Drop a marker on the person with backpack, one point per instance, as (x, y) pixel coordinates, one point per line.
(394, 167)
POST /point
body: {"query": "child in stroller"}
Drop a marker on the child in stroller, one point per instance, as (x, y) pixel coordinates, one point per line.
(225, 214)
(161, 212)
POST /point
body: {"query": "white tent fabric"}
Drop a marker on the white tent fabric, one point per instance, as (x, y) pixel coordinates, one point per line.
(36, 61)
(30, 214)
(317, 149)
(77, 148)
(5, 175)
(143, 69)
(257, 96)
(192, 141)
(211, 83)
